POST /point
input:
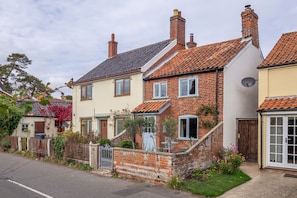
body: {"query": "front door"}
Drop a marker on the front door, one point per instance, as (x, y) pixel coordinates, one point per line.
(103, 128)
(248, 139)
(282, 141)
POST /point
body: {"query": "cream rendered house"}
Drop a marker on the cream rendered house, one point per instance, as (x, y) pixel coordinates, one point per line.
(278, 105)
(106, 95)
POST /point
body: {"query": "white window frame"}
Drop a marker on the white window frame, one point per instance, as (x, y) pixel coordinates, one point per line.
(117, 132)
(284, 144)
(25, 127)
(187, 118)
(188, 80)
(159, 85)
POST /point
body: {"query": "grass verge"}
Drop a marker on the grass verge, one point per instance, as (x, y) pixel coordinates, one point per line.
(216, 185)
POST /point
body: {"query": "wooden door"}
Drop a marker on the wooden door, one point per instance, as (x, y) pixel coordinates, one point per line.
(103, 128)
(39, 127)
(248, 139)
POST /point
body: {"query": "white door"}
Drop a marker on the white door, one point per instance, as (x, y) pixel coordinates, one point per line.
(282, 141)
(149, 134)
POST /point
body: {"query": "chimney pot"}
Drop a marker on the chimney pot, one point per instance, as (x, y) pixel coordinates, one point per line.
(175, 12)
(191, 43)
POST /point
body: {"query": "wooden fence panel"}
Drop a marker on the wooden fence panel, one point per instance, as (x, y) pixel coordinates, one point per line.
(77, 151)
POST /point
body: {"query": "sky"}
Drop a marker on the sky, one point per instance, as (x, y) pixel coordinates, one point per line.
(67, 38)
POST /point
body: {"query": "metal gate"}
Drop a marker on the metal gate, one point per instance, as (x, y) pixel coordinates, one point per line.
(105, 157)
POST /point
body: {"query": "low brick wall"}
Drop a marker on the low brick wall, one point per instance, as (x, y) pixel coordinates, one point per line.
(200, 155)
(159, 167)
(148, 166)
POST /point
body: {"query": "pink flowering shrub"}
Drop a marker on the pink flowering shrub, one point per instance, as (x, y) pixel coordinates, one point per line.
(229, 160)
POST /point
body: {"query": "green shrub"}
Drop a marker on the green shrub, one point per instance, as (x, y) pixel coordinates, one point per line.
(229, 160)
(126, 144)
(104, 141)
(175, 182)
(59, 147)
(5, 144)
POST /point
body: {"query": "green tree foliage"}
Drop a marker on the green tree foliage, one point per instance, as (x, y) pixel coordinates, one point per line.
(10, 116)
(133, 126)
(13, 77)
(170, 128)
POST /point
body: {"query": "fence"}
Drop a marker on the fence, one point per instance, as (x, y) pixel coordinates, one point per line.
(77, 151)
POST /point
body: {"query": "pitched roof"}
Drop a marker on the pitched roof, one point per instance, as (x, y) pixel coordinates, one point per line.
(284, 52)
(201, 58)
(123, 63)
(38, 110)
(279, 103)
(153, 106)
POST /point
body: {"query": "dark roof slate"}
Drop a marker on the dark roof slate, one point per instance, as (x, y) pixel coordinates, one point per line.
(127, 62)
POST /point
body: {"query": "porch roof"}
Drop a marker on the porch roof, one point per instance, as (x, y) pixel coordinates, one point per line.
(152, 106)
(279, 103)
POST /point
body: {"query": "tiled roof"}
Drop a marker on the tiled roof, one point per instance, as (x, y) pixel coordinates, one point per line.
(279, 103)
(125, 62)
(284, 52)
(36, 106)
(201, 58)
(153, 106)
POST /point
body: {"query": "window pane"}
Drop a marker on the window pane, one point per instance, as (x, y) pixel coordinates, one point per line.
(83, 92)
(192, 86)
(280, 139)
(183, 87)
(279, 130)
(127, 86)
(119, 126)
(272, 157)
(290, 121)
(272, 121)
(183, 128)
(272, 139)
(279, 121)
(272, 130)
(272, 149)
(163, 89)
(290, 130)
(119, 85)
(89, 91)
(193, 128)
(156, 89)
(279, 158)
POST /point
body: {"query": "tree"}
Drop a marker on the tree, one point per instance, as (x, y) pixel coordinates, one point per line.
(13, 77)
(10, 116)
(133, 126)
(170, 128)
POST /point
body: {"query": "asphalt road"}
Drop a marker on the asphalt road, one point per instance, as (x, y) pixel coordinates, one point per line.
(24, 178)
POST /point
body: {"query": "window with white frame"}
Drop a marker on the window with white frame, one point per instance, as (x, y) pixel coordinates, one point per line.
(160, 90)
(25, 127)
(188, 127)
(122, 87)
(188, 87)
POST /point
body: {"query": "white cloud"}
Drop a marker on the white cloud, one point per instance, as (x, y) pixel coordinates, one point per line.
(67, 38)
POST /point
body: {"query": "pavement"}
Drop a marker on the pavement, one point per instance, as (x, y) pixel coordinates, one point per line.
(265, 183)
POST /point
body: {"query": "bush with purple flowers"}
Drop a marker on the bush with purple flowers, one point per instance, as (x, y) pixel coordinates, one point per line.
(229, 160)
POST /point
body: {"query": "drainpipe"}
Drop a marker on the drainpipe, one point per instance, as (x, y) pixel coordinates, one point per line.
(217, 97)
(261, 144)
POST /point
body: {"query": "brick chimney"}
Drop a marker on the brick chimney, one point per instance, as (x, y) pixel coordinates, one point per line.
(178, 28)
(250, 25)
(191, 43)
(112, 47)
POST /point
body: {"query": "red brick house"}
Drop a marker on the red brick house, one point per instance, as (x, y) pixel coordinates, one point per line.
(206, 77)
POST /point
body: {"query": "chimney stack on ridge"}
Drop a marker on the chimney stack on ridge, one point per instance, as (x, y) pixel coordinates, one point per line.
(191, 43)
(250, 25)
(178, 28)
(112, 47)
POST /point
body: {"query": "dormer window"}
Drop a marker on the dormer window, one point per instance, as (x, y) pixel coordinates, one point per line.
(160, 90)
(122, 87)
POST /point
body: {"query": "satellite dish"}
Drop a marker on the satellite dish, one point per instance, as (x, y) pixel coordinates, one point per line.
(248, 82)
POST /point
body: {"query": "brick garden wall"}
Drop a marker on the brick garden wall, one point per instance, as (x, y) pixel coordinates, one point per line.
(159, 167)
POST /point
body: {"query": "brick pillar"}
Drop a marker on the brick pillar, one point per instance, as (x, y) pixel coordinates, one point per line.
(93, 155)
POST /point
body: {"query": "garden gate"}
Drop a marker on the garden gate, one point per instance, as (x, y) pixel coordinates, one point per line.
(105, 157)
